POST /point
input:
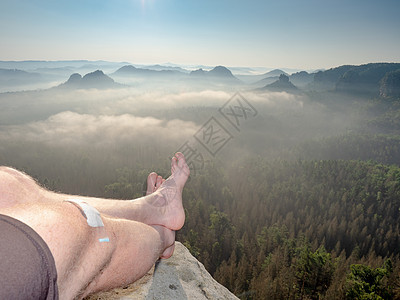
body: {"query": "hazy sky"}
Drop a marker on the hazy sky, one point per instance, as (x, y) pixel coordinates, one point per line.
(301, 34)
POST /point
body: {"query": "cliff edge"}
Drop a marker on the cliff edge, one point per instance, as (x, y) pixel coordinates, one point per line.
(179, 277)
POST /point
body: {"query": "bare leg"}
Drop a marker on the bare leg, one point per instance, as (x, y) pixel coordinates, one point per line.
(161, 207)
(85, 265)
(154, 181)
(16, 188)
(138, 247)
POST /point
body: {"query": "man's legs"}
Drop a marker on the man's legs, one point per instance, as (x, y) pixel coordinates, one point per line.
(161, 207)
(85, 264)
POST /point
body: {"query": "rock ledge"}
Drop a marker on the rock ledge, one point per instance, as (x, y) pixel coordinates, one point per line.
(179, 277)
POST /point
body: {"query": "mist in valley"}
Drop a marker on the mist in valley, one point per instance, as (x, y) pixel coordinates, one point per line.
(137, 117)
(145, 123)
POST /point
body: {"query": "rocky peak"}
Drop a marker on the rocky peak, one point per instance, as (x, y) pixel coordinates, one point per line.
(283, 78)
(221, 71)
(74, 78)
(198, 72)
(96, 79)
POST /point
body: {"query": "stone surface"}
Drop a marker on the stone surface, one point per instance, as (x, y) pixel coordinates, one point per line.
(179, 277)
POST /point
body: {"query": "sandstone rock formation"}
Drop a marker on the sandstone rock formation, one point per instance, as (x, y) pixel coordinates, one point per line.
(179, 277)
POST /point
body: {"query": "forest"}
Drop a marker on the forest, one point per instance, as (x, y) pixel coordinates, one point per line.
(301, 202)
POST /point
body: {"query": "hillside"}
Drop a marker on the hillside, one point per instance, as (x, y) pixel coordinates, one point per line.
(361, 80)
(344, 211)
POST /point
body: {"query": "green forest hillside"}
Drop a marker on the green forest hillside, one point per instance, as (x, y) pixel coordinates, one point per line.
(284, 230)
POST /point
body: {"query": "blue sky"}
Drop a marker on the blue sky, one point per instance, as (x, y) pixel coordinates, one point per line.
(302, 34)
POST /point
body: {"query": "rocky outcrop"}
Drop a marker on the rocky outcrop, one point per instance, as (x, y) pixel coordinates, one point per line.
(96, 79)
(283, 84)
(302, 79)
(179, 277)
(390, 85)
(218, 74)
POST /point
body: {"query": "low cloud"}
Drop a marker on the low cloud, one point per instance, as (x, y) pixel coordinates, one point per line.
(74, 129)
(133, 101)
(128, 117)
(277, 100)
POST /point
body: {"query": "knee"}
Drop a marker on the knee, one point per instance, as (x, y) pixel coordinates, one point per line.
(16, 187)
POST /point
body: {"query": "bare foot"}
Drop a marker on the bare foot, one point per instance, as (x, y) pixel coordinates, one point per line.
(167, 198)
(167, 241)
(168, 252)
(154, 181)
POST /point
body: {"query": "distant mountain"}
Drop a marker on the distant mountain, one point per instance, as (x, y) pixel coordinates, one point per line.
(96, 79)
(29, 65)
(219, 73)
(130, 70)
(283, 84)
(269, 77)
(364, 79)
(332, 75)
(265, 81)
(200, 73)
(165, 68)
(14, 77)
(275, 73)
(302, 78)
(55, 71)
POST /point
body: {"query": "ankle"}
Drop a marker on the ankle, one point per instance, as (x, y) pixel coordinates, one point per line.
(167, 237)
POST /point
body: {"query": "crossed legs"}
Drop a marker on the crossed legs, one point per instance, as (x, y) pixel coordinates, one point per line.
(140, 231)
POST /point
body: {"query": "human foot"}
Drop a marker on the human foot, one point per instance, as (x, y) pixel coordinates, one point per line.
(167, 198)
(154, 181)
(167, 237)
(168, 252)
(180, 170)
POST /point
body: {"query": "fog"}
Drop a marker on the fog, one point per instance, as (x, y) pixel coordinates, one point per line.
(98, 130)
(75, 129)
(160, 117)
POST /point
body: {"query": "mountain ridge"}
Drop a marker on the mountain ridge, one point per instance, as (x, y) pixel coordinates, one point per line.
(356, 79)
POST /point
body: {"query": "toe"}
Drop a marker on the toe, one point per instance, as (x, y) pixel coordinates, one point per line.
(158, 182)
(151, 182)
(181, 159)
(174, 164)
